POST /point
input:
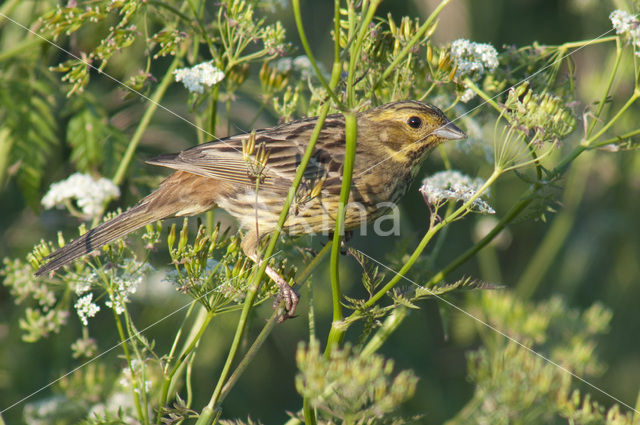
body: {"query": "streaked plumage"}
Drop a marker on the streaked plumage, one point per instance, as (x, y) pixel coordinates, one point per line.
(393, 139)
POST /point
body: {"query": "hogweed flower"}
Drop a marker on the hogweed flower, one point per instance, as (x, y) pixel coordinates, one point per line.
(198, 76)
(85, 307)
(472, 60)
(454, 186)
(626, 25)
(300, 64)
(90, 194)
(84, 347)
(126, 284)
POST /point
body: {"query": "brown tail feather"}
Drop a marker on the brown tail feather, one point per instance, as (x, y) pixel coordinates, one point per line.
(179, 194)
(116, 228)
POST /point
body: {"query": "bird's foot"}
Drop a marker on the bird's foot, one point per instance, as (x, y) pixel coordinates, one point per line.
(286, 293)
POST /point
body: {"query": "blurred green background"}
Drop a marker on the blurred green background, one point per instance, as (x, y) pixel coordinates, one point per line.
(600, 260)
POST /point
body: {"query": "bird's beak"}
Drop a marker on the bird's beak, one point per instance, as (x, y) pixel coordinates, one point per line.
(450, 132)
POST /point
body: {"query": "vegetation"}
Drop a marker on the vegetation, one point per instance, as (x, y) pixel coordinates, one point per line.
(508, 296)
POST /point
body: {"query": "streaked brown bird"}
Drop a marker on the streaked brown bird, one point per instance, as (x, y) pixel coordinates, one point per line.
(249, 175)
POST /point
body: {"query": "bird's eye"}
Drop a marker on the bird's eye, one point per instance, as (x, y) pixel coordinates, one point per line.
(414, 122)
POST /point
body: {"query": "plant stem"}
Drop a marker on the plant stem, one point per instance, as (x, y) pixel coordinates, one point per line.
(192, 342)
(390, 324)
(469, 83)
(145, 120)
(427, 238)
(355, 49)
(264, 333)
(351, 129)
(206, 415)
(127, 355)
(307, 50)
(6, 143)
(407, 49)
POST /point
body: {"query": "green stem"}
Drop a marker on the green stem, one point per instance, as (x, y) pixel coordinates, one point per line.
(127, 355)
(390, 324)
(356, 48)
(262, 337)
(557, 234)
(20, 48)
(616, 139)
(427, 238)
(215, 94)
(547, 251)
(6, 143)
(587, 143)
(351, 129)
(407, 49)
(307, 49)
(470, 84)
(605, 94)
(583, 43)
(7, 8)
(145, 120)
(192, 342)
(206, 414)
(508, 217)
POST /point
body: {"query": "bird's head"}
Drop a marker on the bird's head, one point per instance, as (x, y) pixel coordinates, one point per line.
(407, 129)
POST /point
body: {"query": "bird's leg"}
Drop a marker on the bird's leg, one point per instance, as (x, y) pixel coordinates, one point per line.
(285, 291)
(343, 243)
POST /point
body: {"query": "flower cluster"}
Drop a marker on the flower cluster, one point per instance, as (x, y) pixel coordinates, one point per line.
(198, 76)
(126, 284)
(85, 307)
(348, 385)
(472, 60)
(626, 25)
(545, 115)
(454, 186)
(300, 64)
(90, 195)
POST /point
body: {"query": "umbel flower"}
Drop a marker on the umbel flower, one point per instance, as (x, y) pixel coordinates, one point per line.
(626, 25)
(90, 194)
(454, 186)
(198, 76)
(472, 60)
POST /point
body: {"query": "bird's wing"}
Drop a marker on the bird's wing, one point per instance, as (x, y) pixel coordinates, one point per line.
(285, 145)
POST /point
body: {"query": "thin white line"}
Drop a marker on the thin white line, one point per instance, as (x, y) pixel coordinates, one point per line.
(120, 343)
(368, 169)
(493, 328)
(497, 95)
(142, 95)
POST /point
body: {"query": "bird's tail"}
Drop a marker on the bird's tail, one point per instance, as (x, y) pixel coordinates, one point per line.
(94, 239)
(179, 194)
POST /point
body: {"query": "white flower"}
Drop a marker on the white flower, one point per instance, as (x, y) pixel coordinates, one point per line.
(300, 64)
(455, 186)
(126, 285)
(198, 76)
(625, 23)
(284, 65)
(86, 308)
(90, 194)
(473, 59)
(467, 95)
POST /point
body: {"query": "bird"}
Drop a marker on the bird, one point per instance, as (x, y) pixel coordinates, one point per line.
(249, 175)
